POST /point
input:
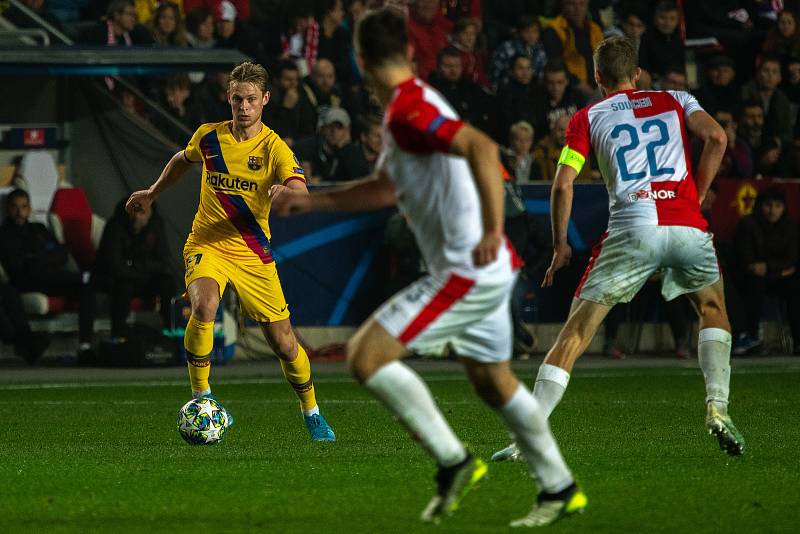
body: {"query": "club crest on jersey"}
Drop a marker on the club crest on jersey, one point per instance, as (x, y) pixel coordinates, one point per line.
(651, 195)
(254, 163)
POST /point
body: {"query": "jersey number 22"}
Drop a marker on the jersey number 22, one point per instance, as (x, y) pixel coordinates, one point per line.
(652, 165)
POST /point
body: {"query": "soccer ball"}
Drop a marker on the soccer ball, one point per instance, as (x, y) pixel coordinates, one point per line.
(203, 421)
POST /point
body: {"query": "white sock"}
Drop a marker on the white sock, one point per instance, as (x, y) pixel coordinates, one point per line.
(198, 394)
(714, 353)
(551, 382)
(525, 419)
(407, 396)
(312, 411)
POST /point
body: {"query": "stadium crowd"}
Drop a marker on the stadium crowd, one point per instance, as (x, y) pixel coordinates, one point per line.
(517, 69)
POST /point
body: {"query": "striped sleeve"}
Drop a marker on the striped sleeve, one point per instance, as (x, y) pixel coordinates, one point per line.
(418, 127)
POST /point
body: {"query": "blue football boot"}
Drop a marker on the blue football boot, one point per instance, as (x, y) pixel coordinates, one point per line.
(319, 428)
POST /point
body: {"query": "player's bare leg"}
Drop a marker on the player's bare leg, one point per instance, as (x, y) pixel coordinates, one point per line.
(297, 370)
(497, 385)
(714, 355)
(374, 359)
(584, 319)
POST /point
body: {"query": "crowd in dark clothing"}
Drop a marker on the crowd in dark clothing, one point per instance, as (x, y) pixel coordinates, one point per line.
(131, 262)
(516, 69)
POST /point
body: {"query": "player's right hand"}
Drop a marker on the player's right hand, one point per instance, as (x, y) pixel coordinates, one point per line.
(139, 200)
(561, 257)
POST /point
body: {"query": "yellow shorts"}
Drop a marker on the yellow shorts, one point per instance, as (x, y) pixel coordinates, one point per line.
(259, 289)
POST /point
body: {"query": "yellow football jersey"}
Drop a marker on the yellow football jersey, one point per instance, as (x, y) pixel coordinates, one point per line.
(234, 196)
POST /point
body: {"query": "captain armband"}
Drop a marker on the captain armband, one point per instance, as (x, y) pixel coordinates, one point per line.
(571, 158)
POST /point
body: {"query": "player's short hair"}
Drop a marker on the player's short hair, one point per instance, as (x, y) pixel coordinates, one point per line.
(248, 72)
(616, 59)
(15, 194)
(382, 37)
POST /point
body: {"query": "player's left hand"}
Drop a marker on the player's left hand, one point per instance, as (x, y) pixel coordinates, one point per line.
(286, 202)
(561, 257)
(486, 251)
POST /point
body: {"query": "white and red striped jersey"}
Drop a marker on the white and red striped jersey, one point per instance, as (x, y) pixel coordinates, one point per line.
(436, 190)
(642, 149)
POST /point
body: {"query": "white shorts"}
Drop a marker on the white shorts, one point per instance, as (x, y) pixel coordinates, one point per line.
(473, 317)
(624, 260)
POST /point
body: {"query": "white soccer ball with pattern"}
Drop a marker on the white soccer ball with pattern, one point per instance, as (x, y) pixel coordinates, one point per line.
(203, 421)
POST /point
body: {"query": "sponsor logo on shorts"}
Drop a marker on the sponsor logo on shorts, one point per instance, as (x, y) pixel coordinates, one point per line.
(651, 195)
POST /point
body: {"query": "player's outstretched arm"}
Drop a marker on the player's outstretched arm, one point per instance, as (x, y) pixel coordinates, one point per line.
(362, 195)
(560, 209)
(714, 140)
(175, 168)
(484, 161)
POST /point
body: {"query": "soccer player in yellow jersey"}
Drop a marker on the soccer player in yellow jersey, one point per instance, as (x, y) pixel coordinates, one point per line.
(229, 242)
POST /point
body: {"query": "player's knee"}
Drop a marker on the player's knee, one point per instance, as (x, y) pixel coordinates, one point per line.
(205, 308)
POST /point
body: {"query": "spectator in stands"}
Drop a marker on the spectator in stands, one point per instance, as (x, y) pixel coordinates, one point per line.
(468, 99)
(15, 329)
(501, 18)
(473, 55)
(39, 7)
(674, 79)
(320, 87)
(519, 98)
(67, 11)
(36, 261)
(791, 84)
(738, 159)
(661, 46)
(633, 27)
(720, 91)
(289, 112)
(526, 43)
(321, 152)
(728, 21)
(456, 10)
(357, 160)
(776, 105)
(560, 98)
(573, 37)
(225, 27)
(517, 157)
(427, 33)
(296, 36)
(548, 150)
(335, 41)
(120, 27)
(167, 26)
(200, 28)
(242, 7)
(210, 100)
(133, 261)
(783, 39)
(175, 99)
(765, 263)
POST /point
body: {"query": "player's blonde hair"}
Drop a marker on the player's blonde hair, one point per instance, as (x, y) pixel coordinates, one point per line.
(616, 60)
(248, 72)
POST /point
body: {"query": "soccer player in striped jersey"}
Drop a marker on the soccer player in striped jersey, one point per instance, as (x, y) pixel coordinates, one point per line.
(641, 140)
(445, 177)
(229, 242)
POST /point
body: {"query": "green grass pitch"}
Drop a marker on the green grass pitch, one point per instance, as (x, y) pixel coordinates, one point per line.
(107, 458)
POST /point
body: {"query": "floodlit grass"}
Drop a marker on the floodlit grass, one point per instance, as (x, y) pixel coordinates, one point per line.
(107, 458)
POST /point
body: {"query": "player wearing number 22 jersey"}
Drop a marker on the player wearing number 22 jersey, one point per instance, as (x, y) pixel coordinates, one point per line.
(641, 142)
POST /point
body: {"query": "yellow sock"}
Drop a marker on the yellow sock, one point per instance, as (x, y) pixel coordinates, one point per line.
(298, 374)
(199, 341)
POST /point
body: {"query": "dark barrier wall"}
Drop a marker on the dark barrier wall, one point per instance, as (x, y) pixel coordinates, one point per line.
(334, 267)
